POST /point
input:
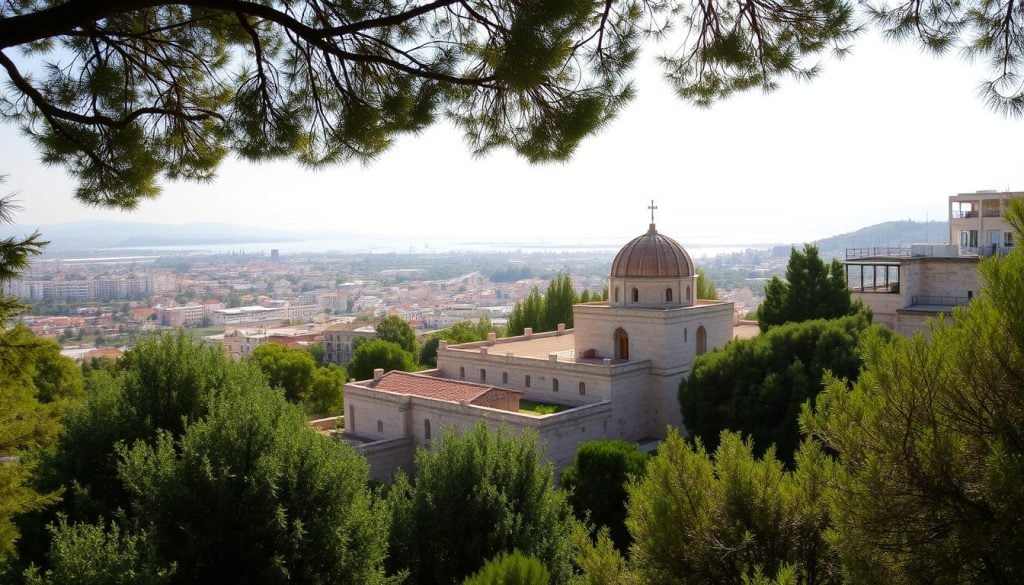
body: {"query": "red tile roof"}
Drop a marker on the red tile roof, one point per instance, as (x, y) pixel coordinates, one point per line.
(432, 387)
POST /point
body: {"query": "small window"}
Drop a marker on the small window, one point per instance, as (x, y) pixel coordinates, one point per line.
(668, 295)
(1007, 239)
(554, 384)
(583, 388)
(462, 373)
(483, 375)
(504, 377)
(636, 296)
(527, 381)
(702, 340)
(380, 426)
(616, 294)
(688, 297)
(686, 335)
(426, 429)
(350, 424)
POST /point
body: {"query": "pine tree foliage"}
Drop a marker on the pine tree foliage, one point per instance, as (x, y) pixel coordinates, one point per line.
(473, 497)
(930, 444)
(95, 554)
(513, 568)
(463, 332)
(812, 290)
(705, 286)
(545, 312)
(731, 517)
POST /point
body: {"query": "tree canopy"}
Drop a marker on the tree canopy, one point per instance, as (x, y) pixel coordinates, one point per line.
(378, 353)
(545, 312)
(473, 497)
(397, 330)
(139, 91)
(812, 290)
(929, 441)
(757, 386)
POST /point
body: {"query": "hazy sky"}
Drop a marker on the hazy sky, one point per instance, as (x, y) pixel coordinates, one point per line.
(889, 133)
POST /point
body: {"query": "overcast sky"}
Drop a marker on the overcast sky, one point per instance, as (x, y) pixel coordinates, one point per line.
(889, 133)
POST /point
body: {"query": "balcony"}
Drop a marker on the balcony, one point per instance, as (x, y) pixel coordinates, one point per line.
(941, 300)
(964, 214)
(877, 252)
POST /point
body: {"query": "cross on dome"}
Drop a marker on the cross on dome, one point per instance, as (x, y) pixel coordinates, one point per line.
(652, 207)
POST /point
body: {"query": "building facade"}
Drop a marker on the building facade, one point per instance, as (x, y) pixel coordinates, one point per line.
(976, 221)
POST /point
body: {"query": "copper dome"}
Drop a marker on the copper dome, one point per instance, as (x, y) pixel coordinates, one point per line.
(652, 255)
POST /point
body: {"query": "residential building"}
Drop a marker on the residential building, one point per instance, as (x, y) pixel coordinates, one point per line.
(976, 221)
(339, 341)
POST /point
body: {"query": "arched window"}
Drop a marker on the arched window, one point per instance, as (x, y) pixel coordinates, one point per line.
(702, 340)
(616, 294)
(668, 295)
(426, 429)
(504, 377)
(462, 373)
(554, 384)
(380, 426)
(689, 299)
(483, 375)
(527, 380)
(583, 388)
(636, 295)
(621, 344)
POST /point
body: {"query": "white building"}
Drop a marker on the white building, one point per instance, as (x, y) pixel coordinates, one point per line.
(615, 376)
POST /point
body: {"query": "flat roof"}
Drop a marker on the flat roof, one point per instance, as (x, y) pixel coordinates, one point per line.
(539, 346)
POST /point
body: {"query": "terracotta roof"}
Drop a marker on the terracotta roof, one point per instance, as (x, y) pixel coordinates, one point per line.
(432, 387)
(652, 255)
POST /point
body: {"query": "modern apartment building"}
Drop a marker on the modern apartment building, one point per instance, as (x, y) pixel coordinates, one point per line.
(976, 221)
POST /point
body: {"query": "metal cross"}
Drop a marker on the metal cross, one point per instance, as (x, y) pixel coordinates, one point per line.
(652, 207)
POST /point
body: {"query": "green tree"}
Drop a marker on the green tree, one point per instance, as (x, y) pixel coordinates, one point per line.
(251, 494)
(511, 569)
(731, 518)
(161, 385)
(545, 312)
(705, 286)
(463, 332)
(93, 554)
(596, 482)
(757, 386)
(929, 441)
(317, 351)
(378, 353)
(812, 290)
(327, 392)
(396, 330)
(472, 498)
(261, 80)
(287, 368)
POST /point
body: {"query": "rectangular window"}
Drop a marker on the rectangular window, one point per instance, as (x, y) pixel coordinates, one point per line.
(504, 377)
(380, 426)
(583, 388)
(1007, 239)
(483, 375)
(527, 381)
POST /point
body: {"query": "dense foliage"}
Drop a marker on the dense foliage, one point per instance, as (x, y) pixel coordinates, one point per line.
(731, 517)
(511, 569)
(319, 389)
(474, 496)
(596, 482)
(396, 330)
(545, 312)
(757, 386)
(705, 286)
(812, 290)
(930, 444)
(378, 353)
(464, 332)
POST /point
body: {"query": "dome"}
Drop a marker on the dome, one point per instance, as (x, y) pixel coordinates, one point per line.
(652, 255)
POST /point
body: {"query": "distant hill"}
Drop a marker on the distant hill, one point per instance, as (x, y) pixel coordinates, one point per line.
(890, 233)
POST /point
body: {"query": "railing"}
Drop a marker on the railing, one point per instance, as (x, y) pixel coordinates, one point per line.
(855, 253)
(964, 214)
(940, 300)
(989, 250)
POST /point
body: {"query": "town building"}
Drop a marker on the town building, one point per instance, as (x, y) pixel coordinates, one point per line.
(976, 221)
(340, 339)
(905, 287)
(616, 375)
